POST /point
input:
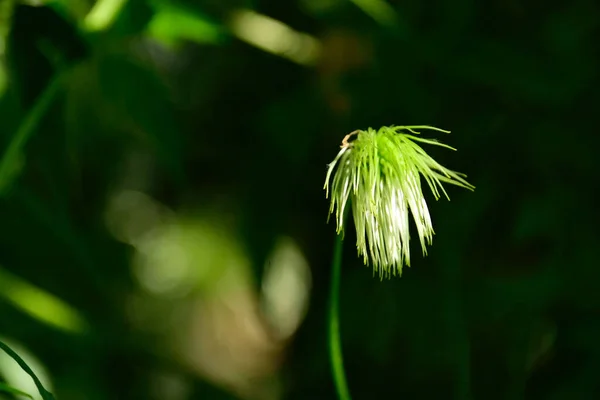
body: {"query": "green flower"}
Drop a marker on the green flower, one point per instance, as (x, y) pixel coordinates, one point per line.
(379, 171)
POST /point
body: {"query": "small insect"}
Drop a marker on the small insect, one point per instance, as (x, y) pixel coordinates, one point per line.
(345, 142)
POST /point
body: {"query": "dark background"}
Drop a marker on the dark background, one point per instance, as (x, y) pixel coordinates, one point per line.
(156, 167)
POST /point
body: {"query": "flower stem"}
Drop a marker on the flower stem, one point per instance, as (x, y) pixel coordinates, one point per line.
(335, 343)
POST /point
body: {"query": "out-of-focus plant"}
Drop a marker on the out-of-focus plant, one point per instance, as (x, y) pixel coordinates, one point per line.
(46, 395)
(9, 389)
(380, 173)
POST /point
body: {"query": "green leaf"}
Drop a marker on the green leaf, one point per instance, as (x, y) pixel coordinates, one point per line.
(172, 24)
(9, 389)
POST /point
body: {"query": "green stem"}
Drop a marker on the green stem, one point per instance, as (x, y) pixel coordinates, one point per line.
(46, 395)
(11, 161)
(335, 343)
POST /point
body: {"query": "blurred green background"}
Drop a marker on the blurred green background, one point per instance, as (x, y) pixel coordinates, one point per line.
(163, 227)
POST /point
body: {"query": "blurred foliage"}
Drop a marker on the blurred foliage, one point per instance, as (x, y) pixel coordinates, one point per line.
(9, 389)
(46, 395)
(154, 153)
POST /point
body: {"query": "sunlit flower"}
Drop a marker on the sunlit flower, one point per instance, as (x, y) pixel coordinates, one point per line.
(379, 172)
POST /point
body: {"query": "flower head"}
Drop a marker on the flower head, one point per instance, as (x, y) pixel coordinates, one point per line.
(379, 172)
